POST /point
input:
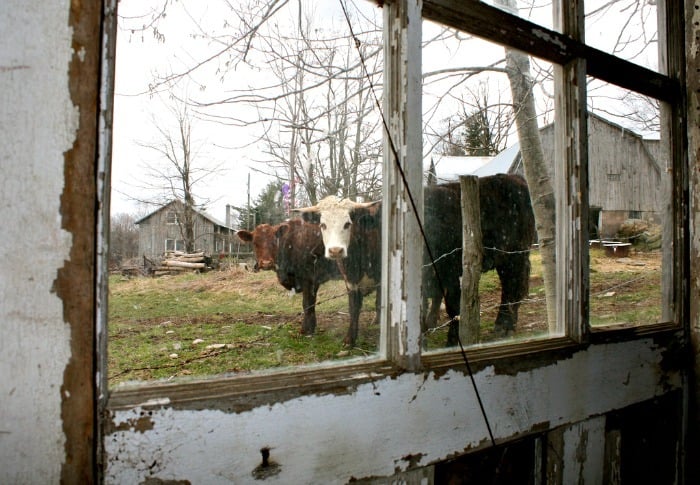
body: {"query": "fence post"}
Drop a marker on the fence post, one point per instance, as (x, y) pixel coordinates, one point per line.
(472, 251)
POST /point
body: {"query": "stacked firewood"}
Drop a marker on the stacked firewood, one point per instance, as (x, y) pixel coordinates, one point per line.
(175, 262)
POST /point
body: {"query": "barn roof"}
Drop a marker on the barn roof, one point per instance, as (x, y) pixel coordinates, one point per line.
(201, 213)
(449, 168)
(509, 159)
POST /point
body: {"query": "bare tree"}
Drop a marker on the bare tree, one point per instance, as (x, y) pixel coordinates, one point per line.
(480, 127)
(316, 116)
(176, 171)
(123, 238)
(321, 126)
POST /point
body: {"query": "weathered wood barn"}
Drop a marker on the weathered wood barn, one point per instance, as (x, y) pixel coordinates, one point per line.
(617, 405)
(162, 230)
(625, 174)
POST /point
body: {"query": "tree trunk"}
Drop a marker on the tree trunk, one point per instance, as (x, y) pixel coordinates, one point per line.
(536, 174)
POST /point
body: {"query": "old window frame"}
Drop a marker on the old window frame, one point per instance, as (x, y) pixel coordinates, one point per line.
(400, 343)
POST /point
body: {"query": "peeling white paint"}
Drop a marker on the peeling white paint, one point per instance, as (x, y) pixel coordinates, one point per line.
(38, 124)
(329, 439)
(544, 35)
(584, 450)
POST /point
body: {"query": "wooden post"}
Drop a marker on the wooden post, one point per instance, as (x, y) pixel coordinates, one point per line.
(472, 250)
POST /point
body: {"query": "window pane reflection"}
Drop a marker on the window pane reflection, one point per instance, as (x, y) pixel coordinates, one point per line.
(627, 29)
(471, 128)
(629, 203)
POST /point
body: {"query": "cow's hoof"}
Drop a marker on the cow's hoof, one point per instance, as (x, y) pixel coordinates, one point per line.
(503, 332)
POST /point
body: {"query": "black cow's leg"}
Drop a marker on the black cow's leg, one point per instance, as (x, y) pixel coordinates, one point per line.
(453, 294)
(309, 291)
(354, 307)
(514, 276)
(377, 304)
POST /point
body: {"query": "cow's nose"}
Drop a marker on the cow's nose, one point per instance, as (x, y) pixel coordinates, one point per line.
(336, 252)
(266, 264)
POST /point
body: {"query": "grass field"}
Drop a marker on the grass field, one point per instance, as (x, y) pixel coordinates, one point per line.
(238, 321)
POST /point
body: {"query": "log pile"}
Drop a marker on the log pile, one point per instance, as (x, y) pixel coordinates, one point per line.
(176, 262)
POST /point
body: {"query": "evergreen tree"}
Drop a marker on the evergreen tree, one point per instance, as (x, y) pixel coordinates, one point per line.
(268, 208)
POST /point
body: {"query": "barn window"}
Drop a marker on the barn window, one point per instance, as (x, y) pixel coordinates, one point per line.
(174, 245)
(525, 109)
(171, 217)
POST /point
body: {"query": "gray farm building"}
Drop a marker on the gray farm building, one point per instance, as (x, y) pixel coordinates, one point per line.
(625, 173)
(161, 231)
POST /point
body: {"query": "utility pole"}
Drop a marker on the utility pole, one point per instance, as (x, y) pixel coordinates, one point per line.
(247, 219)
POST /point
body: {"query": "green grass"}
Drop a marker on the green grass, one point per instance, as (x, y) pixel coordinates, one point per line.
(155, 326)
(154, 323)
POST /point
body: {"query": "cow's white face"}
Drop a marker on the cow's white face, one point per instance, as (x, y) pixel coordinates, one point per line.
(336, 223)
(336, 228)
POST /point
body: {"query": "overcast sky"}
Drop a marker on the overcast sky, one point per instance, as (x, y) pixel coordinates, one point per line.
(141, 56)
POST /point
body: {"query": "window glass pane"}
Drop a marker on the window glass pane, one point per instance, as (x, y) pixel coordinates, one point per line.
(625, 28)
(262, 116)
(537, 11)
(629, 207)
(472, 128)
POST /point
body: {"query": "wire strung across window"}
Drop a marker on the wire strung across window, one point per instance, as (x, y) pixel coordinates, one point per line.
(395, 155)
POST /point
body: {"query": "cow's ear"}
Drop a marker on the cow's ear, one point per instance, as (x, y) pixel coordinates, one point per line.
(245, 236)
(366, 219)
(281, 230)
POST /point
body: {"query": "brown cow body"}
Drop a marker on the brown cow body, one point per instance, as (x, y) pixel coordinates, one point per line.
(301, 266)
(294, 249)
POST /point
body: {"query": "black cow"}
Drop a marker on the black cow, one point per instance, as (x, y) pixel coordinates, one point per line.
(508, 231)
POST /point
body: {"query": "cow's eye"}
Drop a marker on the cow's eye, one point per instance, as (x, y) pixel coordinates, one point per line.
(323, 226)
(348, 224)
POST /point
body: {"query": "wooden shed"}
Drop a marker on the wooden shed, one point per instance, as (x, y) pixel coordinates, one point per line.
(162, 231)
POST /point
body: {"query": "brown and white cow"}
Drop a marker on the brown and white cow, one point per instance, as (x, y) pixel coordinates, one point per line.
(507, 230)
(351, 235)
